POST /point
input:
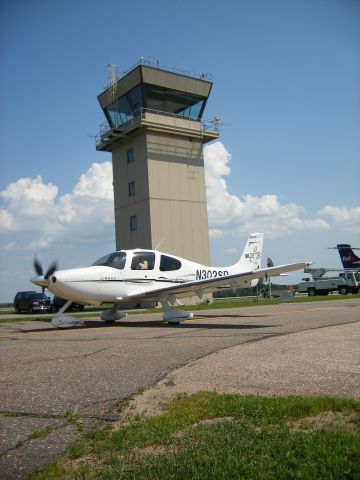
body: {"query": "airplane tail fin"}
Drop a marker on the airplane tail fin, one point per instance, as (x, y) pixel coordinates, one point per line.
(251, 256)
(347, 256)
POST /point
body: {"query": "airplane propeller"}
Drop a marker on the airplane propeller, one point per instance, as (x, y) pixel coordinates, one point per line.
(41, 279)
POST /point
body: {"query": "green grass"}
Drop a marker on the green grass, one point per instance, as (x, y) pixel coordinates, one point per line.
(40, 433)
(73, 419)
(223, 437)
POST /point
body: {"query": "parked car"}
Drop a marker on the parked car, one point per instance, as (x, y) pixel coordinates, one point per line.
(32, 301)
(59, 302)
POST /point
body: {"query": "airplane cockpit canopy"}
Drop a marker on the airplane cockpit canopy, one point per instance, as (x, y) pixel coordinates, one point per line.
(139, 261)
(115, 260)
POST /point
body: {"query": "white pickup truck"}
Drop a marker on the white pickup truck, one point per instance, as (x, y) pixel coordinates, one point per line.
(347, 282)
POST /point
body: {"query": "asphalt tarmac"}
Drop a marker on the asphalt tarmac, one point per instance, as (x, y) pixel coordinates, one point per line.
(51, 380)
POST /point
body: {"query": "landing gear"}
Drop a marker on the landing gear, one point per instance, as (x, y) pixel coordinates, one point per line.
(63, 321)
(112, 315)
(174, 317)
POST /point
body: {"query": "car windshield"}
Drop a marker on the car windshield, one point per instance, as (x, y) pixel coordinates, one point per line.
(37, 296)
(115, 260)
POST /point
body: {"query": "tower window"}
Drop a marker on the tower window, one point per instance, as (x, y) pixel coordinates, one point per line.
(130, 155)
(133, 223)
(131, 188)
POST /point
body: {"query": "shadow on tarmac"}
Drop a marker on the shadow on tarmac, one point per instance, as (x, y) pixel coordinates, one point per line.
(90, 324)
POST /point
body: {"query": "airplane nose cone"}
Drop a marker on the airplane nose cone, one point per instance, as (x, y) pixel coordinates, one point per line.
(40, 281)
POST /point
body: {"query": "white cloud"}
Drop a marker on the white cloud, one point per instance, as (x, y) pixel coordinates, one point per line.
(232, 251)
(7, 223)
(346, 218)
(37, 244)
(86, 215)
(34, 206)
(11, 245)
(29, 202)
(215, 233)
(229, 214)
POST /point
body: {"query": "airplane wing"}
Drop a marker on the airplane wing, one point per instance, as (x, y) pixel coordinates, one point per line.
(202, 286)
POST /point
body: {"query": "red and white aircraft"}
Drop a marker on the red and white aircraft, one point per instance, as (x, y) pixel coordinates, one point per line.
(148, 275)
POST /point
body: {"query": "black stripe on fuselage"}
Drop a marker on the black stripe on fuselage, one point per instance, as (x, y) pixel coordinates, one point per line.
(130, 280)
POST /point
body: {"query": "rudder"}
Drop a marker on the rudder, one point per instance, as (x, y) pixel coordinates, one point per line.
(347, 256)
(251, 256)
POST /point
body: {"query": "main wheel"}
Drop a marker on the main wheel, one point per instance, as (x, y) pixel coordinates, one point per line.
(311, 292)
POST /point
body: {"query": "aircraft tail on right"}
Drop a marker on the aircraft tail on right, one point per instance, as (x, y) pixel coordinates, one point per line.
(347, 256)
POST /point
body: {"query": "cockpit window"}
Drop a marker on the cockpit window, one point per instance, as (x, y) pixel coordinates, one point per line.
(169, 263)
(143, 261)
(115, 260)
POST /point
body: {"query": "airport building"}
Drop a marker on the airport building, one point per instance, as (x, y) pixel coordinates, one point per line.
(155, 132)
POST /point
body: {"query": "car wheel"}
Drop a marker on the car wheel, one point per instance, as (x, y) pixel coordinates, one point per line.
(31, 310)
(311, 292)
(17, 309)
(343, 291)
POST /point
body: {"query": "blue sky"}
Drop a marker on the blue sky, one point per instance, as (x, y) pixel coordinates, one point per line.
(286, 84)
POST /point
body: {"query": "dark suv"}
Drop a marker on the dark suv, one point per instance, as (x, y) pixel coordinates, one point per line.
(32, 302)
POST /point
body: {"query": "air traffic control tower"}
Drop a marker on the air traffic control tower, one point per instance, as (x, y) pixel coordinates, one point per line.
(155, 132)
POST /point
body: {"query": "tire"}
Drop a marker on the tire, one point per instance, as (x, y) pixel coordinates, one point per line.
(17, 309)
(311, 292)
(343, 291)
(31, 310)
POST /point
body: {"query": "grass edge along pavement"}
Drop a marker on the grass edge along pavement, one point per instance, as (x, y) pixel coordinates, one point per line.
(218, 304)
(207, 435)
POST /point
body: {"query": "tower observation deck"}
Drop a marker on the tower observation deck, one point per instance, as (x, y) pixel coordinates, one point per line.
(155, 132)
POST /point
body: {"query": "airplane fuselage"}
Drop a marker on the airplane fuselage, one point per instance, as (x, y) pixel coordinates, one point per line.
(104, 283)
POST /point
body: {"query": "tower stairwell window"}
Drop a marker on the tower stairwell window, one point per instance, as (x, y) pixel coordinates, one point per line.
(130, 155)
(133, 223)
(131, 188)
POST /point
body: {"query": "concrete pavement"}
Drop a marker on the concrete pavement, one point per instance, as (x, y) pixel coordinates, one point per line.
(53, 380)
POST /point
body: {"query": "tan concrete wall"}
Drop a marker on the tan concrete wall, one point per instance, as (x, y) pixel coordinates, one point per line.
(170, 199)
(177, 196)
(138, 205)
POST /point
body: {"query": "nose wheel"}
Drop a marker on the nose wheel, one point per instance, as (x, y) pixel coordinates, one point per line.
(65, 321)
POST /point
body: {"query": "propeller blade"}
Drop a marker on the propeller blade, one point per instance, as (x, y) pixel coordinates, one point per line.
(37, 266)
(52, 268)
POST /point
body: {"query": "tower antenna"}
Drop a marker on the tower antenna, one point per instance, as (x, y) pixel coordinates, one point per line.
(112, 74)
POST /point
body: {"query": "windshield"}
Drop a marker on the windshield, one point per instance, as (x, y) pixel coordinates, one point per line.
(115, 260)
(37, 296)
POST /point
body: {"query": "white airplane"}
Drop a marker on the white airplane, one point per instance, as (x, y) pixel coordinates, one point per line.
(149, 275)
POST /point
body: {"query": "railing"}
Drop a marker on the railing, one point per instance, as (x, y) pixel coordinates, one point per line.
(156, 64)
(147, 114)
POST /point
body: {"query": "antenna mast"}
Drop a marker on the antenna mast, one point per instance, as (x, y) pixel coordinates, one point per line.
(112, 74)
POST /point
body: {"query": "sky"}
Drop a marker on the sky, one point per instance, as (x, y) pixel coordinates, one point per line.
(286, 79)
